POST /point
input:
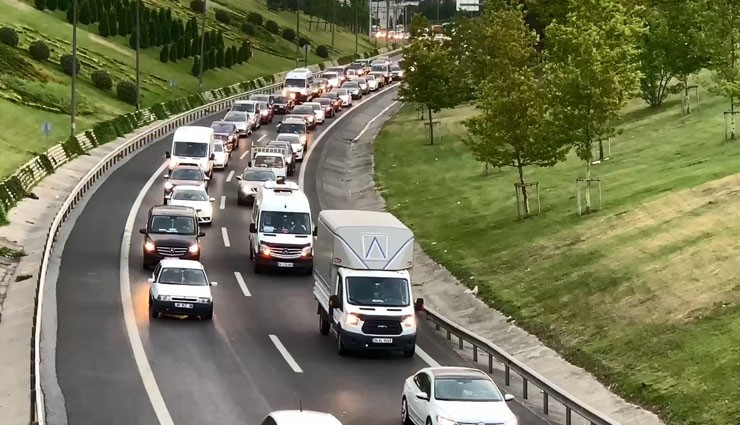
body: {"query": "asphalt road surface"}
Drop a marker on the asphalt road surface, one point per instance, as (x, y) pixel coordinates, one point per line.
(261, 352)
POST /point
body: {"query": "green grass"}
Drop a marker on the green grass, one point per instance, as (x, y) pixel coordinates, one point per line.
(22, 138)
(644, 293)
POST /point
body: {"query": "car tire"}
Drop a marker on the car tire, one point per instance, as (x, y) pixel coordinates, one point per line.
(209, 315)
(257, 267)
(409, 353)
(429, 421)
(324, 325)
(341, 349)
(153, 312)
(405, 420)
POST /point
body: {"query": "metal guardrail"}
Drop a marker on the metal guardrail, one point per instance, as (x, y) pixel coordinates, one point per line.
(38, 413)
(528, 376)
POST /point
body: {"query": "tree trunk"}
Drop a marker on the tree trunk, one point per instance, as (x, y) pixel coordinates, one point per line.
(431, 127)
(732, 118)
(525, 196)
(601, 151)
(588, 186)
(686, 99)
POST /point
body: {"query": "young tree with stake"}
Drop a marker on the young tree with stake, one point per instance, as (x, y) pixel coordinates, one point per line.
(592, 65)
(512, 129)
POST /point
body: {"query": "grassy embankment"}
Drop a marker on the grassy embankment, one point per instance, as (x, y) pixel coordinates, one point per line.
(643, 293)
(25, 97)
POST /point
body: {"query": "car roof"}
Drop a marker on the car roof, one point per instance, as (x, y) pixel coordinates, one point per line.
(288, 135)
(181, 264)
(172, 210)
(223, 123)
(456, 372)
(258, 169)
(235, 113)
(188, 187)
(244, 102)
(293, 120)
(186, 167)
(303, 417)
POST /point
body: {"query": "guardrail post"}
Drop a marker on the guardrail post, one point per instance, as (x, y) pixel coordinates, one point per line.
(525, 394)
(449, 335)
(567, 415)
(490, 363)
(545, 403)
(507, 374)
(475, 353)
(460, 344)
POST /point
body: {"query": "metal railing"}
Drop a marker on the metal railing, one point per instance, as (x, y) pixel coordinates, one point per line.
(528, 376)
(38, 414)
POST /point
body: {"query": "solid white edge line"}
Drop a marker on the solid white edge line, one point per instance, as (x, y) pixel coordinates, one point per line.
(231, 173)
(142, 362)
(286, 355)
(426, 357)
(302, 174)
(242, 284)
(222, 204)
(369, 123)
(225, 236)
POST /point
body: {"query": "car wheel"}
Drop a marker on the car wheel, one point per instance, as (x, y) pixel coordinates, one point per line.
(153, 312)
(405, 420)
(209, 315)
(409, 353)
(324, 325)
(341, 349)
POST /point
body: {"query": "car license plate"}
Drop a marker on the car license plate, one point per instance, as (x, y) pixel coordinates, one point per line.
(183, 305)
(383, 340)
(285, 264)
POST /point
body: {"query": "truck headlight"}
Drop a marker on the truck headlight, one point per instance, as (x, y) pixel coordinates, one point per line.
(204, 300)
(409, 321)
(168, 186)
(149, 246)
(307, 252)
(303, 138)
(164, 298)
(194, 248)
(265, 250)
(441, 420)
(352, 320)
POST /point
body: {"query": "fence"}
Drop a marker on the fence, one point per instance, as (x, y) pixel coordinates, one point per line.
(38, 414)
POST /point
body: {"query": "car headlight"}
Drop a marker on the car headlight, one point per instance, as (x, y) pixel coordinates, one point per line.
(307, 252)
(204, 300)
(168, 186)
(441, 420)
(303, 138)
(194, 248)
(352, 320)
(149, 246)
(409, 321)
(164, 298)
(265, 250)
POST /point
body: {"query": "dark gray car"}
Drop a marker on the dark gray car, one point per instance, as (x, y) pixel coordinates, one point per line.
(184, 175)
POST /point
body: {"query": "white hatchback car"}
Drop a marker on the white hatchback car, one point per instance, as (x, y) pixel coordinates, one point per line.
(300, 417)
(318, 111)
(454, 395)
(221, 155)
(195, 197)
(180, 287)
(346, 97)
(295, 141)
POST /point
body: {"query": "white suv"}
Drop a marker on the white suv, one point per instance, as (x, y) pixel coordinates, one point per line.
(300, 417)
(180, 287)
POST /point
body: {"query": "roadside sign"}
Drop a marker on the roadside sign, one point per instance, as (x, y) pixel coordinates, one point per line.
(173, 83)
(46, 128)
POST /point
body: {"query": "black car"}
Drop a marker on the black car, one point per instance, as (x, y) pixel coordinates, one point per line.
(184, 175)
(226, 132)
(171, 232)
(282, 104)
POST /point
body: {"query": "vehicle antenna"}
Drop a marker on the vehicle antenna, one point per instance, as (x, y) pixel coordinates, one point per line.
(300, 404)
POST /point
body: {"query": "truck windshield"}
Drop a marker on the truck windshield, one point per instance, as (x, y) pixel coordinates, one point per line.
(269, 161)
(379, 68)
(194, 150)
(388, 292)
(294, 223)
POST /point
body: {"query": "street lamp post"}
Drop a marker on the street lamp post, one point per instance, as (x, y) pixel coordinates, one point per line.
(73, 106)
(202, 45)
(138, 64)
(333, 24)
(297, 32)
(357, 30)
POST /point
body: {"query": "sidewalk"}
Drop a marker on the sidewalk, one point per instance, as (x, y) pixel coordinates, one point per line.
(348, 184)
(29, 223)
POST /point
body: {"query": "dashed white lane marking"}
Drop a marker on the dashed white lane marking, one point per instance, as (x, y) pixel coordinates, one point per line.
(261, 138)
(426, 357)
(242, 284)
(286, 355)
(222, 205)
(142, 362)
(225, 235)
(231, 173)
(246, 152)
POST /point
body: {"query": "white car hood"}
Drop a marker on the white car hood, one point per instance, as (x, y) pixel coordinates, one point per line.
(285, 238)
(319, 114)
(220, 156)
(184, 290)
(203, 206)
(297, 147)
(240, 125)
(475, 412)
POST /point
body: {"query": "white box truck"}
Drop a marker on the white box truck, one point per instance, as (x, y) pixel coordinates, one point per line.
(362, 283)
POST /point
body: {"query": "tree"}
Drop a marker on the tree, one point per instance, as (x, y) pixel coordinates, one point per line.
(103, 26)
(195, 46)
(39, 51)
(220, 40)
(84, 16)
(723, 35)
(154, 36)
(195, 69)
(40, 4)
(212, 59)
(229, 57)
(512, 128)
(592, 65)
(113, 24)
(63, 5)
(173, 52)
(94, 11)
(430, 78)
(247, 50)
(102, 80)
(220, 58)
(164, 54)
(52, 5)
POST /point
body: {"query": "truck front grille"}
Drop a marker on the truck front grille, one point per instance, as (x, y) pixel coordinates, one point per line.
(286, 251)
(381, 327)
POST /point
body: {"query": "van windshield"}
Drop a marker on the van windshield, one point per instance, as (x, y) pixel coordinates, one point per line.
(177, 225)
(379, 68)
(380, 291)
(293, 223)
(269, 161)
(295, 82)
(194, 150)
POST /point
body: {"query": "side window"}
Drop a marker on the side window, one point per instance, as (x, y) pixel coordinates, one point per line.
(423, 382)
(340, 289)
(269, 421)
(255, 214)
(156, 272)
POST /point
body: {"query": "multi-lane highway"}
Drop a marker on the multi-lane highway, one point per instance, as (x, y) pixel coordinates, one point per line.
(261, 352)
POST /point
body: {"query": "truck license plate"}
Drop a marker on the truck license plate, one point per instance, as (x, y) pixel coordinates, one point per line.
(183, 305)
(285, 264)
(383, 340)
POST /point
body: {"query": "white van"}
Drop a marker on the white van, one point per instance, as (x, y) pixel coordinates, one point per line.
(300, 85)
(274, 159)
(281, 232)
(192, 145)
(300, 417)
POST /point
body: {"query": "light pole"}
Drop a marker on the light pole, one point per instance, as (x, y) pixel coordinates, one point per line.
(138, 46)
(333, 23)
(357, 30)
(73, 108)
(202, 46)
(297, 32)
(438, 2)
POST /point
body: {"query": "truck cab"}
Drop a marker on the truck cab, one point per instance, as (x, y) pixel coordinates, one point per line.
(274, 159)
(362, 281)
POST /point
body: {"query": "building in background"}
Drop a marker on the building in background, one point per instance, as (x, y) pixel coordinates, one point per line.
(469, 5)
(388, 14)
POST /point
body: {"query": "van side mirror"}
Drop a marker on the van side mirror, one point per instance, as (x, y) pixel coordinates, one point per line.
(142, 231)
(238, 177)
(508, 397)
(252, 228)
(150, 280)
(167, 155)
(249, 164)
(212, 157)
(334, 302)
(422, 396)
(315, 231)
(419, 304)
(201, 234)
(166, 176)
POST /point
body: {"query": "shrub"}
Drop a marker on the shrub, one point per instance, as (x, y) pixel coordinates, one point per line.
(102, 80)
(322, 51)
(9, 36)
(126, 91)
(52, 4)
(220, 58)
(248, 28)
(195, 69)
(173, 53)
(303, 41)
(255, 18)
(164, 54)
(197, 6)
(66, 62)
(272, 26)
(39, 51)
(289, 34)
(223, 16)
(40, 4)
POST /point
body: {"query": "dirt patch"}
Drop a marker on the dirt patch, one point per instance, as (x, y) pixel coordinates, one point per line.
(110, 45)
(16, 4)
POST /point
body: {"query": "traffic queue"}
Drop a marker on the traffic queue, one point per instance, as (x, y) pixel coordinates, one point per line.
(360, 261)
